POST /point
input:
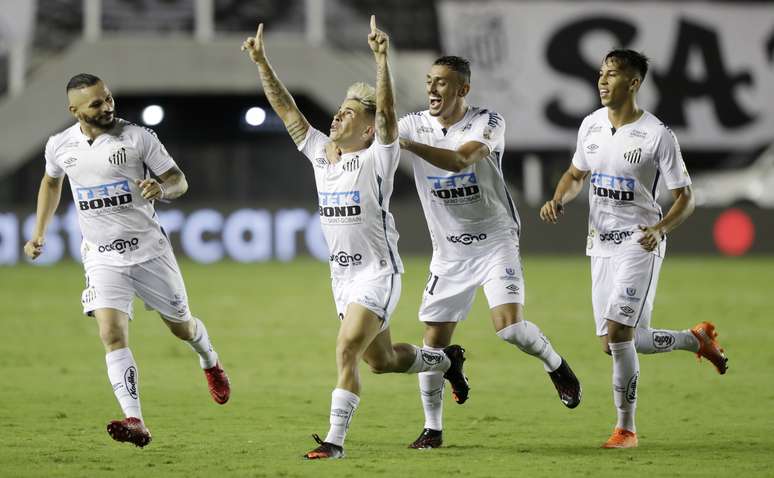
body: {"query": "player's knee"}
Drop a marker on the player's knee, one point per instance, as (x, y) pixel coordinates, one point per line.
(346, 352)
(378, 364)
(112, 337)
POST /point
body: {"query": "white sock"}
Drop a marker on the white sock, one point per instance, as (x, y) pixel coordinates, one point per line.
(651, 341)
(343, 406)
(431, 386)
(202, 345)
(429, 360)
(529, 339)
(626, 373)
(122, 372)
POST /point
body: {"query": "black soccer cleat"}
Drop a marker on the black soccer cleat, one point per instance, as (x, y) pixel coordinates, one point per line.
(455, 375)
(131, 430)
(428, 439)
(567, 385)
(325, 450)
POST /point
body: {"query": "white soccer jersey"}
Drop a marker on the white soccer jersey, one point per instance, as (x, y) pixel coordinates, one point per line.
(118, 225)
(469, 211)
(354, 206)
(625, 167)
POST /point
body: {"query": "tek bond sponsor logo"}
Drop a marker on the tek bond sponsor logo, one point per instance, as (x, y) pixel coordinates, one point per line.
(104, 198)
(616, 188)
(466, 239)
(455, 190)
(340, 207)
(344, 259)
(120, 246)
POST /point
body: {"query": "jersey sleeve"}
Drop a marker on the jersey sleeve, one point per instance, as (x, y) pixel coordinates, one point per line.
(52, 169)
(154, 154)
(579, 158)
(670, 161)
(386, 157)
(488, 128)
(313, 145)
(404, 128)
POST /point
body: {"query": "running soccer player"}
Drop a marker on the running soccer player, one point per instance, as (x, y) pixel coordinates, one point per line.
(474, 228)
(625, 150)
(354, 169)
(125, 251)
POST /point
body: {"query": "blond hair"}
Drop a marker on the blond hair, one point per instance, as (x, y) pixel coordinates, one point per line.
(364, 94)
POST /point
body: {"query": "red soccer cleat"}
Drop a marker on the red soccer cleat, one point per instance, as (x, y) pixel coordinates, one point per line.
(217, 380)
(130, 430)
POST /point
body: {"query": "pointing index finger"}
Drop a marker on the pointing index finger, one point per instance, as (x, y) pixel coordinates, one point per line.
(259, 33)
(373, 23)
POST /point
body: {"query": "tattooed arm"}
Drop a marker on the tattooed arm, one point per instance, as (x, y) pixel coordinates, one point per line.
(386, 119)
(279, 97)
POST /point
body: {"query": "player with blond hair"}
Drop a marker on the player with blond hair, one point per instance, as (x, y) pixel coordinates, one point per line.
(354, 168)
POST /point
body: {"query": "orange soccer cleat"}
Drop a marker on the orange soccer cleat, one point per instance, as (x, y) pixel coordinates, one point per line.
(621, 438)
(708, 346)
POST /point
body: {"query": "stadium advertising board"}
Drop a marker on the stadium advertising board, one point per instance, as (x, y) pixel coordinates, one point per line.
(203, 235)
(711, 78)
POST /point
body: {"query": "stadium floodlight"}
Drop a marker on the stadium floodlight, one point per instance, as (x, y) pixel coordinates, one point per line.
(152, 115)
(255, 116)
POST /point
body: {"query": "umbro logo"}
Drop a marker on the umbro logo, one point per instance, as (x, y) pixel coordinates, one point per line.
(513, 288)
(70, 162)
(592, 147)
(633, 156)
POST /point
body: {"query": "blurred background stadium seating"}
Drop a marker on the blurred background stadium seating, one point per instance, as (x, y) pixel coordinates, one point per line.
(252, 195)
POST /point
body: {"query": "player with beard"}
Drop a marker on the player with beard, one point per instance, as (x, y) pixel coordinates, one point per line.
(125, 251)
(474, 228)
(626, 150)
(354, 169)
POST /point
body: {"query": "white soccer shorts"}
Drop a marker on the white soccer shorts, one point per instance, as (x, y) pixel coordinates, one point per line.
(623, 288)
(157, 282)
(378, 294)
(449, 298)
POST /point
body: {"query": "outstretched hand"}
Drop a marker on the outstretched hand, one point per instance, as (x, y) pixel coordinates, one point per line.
(377, 39)
(254, 46)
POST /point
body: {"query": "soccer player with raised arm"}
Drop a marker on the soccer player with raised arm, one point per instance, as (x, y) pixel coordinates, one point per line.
(125, 251)
(474, 228)
(354, 169)
(626, 150)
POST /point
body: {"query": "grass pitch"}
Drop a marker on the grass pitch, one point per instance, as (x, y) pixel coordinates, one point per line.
(274, 327)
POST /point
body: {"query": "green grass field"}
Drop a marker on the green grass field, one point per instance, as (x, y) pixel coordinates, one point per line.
(274, 327)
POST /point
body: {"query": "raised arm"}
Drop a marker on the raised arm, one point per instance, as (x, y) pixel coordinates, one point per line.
(567, 189)
(48, 199)
(386, 119)
(279, 97)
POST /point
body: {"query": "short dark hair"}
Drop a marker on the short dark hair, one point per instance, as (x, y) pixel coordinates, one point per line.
(82, 80)
(456, 63)
(629, 60)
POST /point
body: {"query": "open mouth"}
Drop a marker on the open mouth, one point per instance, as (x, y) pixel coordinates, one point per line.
(435, 102)
(604, 93)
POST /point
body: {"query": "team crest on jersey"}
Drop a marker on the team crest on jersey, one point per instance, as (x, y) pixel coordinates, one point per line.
(352, 165)
(633, 156)
(118, 157)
